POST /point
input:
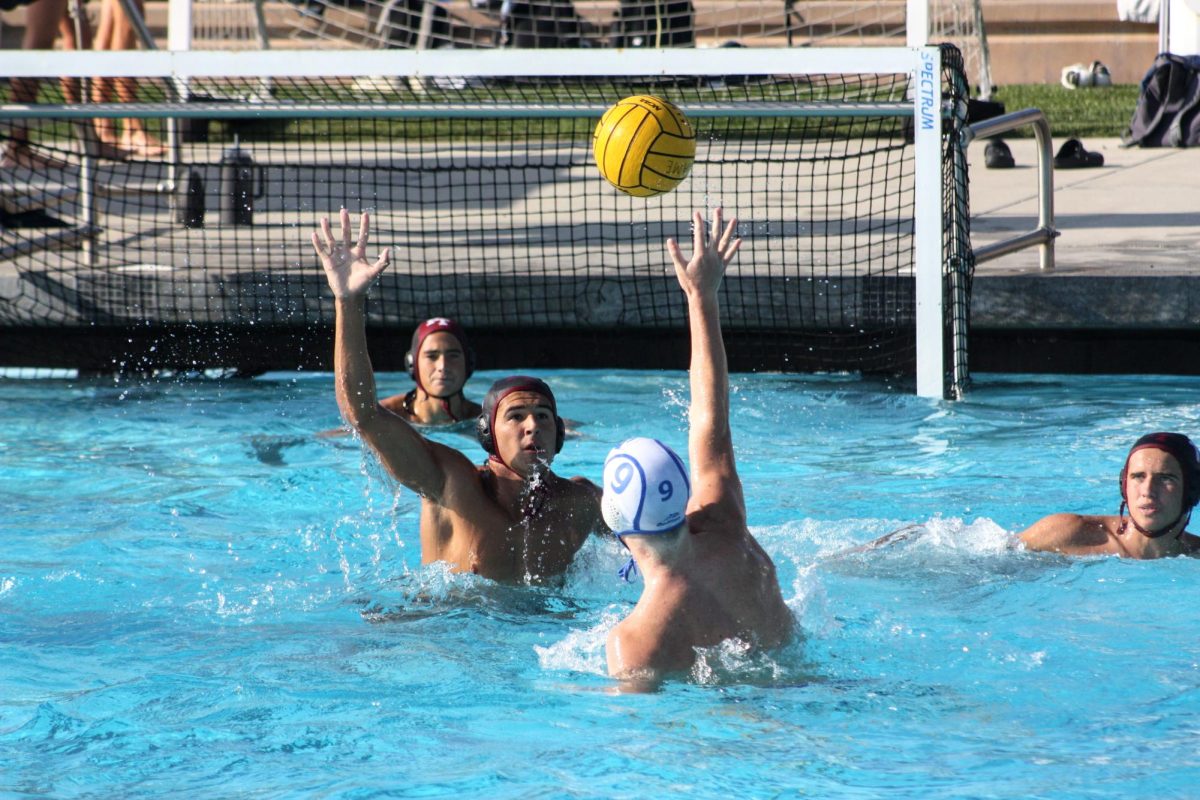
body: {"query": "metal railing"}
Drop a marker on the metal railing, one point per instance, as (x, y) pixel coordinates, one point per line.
(1044, 235)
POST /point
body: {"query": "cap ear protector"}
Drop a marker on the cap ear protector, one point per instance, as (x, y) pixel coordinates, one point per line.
(1183, 451)
(485, 423)
(437, 325)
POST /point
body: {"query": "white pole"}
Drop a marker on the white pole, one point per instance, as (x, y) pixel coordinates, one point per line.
(179, 25)
(916, 23)
(927, 222)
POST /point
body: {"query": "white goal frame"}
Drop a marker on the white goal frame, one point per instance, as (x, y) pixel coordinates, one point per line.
(921, 63)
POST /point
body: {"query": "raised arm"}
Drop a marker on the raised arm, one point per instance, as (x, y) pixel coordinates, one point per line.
(409, 457)
(710, 443)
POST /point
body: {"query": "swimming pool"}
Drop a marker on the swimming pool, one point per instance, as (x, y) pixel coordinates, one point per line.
(199, 598)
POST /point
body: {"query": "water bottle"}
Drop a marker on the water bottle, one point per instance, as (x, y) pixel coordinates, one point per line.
(189, 199)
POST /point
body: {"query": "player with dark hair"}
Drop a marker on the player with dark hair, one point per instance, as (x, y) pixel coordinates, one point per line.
(511, 519)
(1160, 485)
(440, 360)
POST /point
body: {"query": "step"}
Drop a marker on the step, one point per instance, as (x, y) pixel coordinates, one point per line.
(1030, 42)
(1022, 60)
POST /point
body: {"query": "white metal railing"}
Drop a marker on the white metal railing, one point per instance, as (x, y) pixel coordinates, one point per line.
(1044, 234)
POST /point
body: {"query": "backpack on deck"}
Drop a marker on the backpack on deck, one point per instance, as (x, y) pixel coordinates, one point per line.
(1168, 109)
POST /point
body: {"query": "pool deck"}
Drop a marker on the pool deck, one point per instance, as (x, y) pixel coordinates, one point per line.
(1124, 293)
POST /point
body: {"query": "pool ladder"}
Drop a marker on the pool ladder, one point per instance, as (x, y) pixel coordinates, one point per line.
(1044, 234)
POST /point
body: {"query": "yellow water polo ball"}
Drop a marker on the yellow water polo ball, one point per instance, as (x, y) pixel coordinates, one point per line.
(644, 145)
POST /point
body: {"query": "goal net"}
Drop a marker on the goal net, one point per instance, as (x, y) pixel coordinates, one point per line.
(192, 251)
(473, 24)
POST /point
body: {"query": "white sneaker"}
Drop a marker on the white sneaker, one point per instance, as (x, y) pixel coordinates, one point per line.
(1077, 76)
(1081, 76)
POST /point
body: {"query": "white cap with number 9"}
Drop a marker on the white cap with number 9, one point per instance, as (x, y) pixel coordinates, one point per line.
(646, 488)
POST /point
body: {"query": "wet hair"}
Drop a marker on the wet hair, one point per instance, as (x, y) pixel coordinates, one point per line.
(485, 425)
(432, 326)
(1183, 451)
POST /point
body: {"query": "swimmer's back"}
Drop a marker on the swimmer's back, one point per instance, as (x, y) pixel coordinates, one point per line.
(727, 589)
(735, 580)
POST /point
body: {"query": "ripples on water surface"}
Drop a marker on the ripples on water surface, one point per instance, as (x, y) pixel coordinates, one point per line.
(199, 598)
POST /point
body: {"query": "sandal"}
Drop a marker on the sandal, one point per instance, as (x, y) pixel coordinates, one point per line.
(997, 155)
(1072, 155)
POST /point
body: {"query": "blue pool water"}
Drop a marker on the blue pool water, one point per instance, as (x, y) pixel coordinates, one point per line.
(200, 599)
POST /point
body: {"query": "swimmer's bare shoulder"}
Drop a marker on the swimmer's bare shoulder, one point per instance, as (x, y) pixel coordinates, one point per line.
(584, 488)
(397, 405)
(583, 502)
(1078, 534)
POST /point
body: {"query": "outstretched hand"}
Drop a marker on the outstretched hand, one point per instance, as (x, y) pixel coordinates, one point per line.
(712, 252)
(346, 267)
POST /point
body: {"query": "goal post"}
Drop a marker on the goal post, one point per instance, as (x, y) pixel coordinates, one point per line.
(844, 166)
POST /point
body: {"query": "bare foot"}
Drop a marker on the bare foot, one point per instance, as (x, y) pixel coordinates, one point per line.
(110, 151)
(106, 131)
(141, 144)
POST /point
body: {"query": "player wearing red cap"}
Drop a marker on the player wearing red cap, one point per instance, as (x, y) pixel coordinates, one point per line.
(440, 360)
(512, 518)
(1160, 485)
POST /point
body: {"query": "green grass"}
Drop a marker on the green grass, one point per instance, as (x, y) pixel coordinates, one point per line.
(1073, 112)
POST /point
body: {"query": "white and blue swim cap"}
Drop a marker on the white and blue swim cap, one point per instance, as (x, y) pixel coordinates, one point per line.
(646, 488)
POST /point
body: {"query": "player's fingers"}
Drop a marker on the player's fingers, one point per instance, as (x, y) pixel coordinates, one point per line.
(697, 232)
(676, 255)
(716, 226)
(727, 235)
(345, 220)
(327, 232)
(728, 252)
(364, 230)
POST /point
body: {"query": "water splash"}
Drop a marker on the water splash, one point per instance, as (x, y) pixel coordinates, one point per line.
(582, 649)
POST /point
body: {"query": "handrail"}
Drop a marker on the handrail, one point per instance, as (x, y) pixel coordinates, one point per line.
(1043, 236)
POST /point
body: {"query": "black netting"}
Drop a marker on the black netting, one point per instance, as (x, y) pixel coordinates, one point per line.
(958, 257)
(497, 218)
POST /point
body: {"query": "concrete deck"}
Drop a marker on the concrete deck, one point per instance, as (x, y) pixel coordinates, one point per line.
(1124, 295)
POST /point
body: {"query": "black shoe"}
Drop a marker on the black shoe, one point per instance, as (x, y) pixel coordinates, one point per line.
(997, 155)
(1072, 155)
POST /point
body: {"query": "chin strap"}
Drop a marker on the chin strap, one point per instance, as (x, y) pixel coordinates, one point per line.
(1161, 531)
(411, 398)
(629, 569)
